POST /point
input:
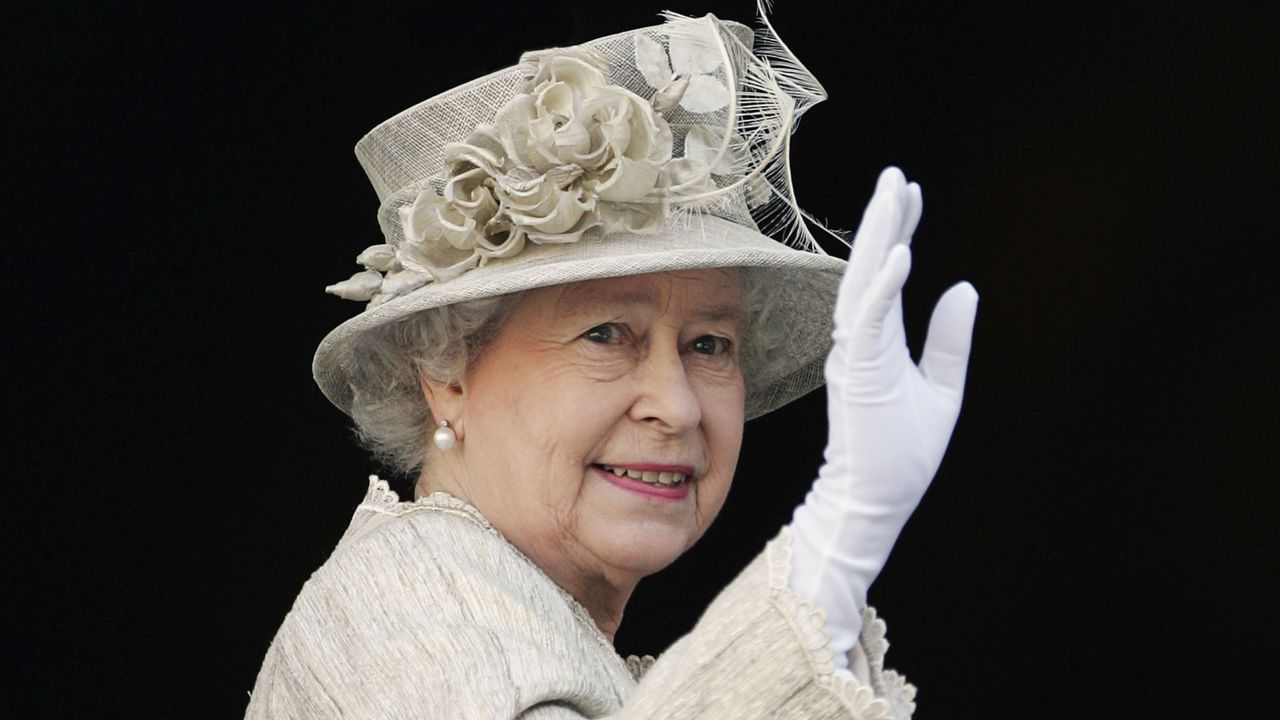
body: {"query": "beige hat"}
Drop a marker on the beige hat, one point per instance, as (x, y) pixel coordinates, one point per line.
(663, 148)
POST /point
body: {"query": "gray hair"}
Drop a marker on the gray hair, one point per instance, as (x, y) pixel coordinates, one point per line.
(391, 415)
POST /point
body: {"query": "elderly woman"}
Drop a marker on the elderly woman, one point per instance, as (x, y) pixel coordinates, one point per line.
(575, 312)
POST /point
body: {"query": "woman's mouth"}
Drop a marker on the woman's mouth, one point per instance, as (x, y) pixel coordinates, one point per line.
(650, 477)
(666, 484)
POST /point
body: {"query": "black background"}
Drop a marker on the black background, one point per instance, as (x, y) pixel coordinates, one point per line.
(179, 187)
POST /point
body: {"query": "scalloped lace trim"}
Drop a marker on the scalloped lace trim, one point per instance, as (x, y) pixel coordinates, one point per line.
(890, 695)
(381, 498)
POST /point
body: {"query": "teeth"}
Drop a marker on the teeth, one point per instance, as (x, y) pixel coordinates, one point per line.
(652, 477)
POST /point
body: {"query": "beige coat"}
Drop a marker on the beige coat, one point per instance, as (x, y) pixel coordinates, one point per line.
(425, 611)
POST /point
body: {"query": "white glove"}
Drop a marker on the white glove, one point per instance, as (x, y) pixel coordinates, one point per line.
(890, 420)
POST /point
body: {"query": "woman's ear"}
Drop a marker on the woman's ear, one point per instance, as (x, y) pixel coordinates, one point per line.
(446, 400)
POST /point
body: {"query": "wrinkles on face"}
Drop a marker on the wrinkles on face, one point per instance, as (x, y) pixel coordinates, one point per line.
(623, 371)
(658, 318)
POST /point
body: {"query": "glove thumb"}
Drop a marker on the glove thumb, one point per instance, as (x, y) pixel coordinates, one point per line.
(945, 359)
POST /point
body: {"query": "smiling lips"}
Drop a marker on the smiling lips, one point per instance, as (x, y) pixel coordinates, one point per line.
(652, 477)
(659, 481)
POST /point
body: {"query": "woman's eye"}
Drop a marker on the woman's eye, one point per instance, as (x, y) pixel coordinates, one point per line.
(603, 334)
(710, 345)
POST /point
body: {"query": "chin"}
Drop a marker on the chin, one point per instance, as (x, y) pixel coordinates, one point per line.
(646, 564)
(644, 549)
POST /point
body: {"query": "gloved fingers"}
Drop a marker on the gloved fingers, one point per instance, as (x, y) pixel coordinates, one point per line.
(881, 223)
(880, 229)
(886, 290)
(945, 359)
(913, 206)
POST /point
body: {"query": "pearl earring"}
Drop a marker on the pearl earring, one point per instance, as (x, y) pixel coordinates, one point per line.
(444, 437)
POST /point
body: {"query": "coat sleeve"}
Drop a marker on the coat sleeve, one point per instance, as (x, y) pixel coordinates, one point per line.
(762, 650)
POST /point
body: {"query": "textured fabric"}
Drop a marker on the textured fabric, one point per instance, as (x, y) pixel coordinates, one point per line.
(425, 611)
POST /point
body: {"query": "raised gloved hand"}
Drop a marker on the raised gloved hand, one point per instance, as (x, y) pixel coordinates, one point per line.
(890, 420)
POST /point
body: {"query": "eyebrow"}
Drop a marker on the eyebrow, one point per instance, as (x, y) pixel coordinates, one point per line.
(720, 312)
(582, 303)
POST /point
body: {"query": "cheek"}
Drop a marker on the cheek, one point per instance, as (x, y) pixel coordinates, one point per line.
(723, 399)
(722, 421)
(551, 422)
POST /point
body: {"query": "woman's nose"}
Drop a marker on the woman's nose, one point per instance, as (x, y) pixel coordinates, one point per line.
(665, 396)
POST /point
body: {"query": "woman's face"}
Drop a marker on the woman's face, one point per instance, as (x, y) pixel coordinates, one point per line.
(589, 385)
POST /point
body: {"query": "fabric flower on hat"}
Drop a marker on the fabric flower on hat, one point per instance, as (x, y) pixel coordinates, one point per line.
(570, 153)
(575, 145)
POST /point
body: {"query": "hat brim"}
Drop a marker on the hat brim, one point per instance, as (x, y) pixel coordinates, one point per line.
(802, 290)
